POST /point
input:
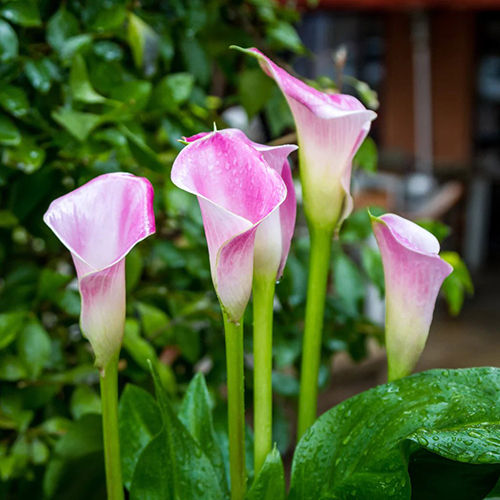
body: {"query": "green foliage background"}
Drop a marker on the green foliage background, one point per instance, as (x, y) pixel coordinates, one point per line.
(89, 87)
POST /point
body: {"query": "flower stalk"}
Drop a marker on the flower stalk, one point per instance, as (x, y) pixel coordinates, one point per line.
(235, 406)
(109, 399)
(319, 263)
(263, 298)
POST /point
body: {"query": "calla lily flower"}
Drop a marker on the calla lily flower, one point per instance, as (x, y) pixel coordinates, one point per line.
(100, 223)
(247, 202)
(330, 129)
(413, 273)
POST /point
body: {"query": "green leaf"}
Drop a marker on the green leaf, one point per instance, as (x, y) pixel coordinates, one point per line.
(103, 16)
(39, 75)
(144, 44)
(14, 100)
(270, 481)
(255, 89)
(61, 26)
(437, 228)
(172, 91)
(367, 155)
(195, 59)
(27, 157)
(77, 123)
(9, 133)
(139, 422)
(9, 45)
(173, 466)
(84, 400)
(285, 36)
(142, 352)
(196, 415)
(12, 368)
(372, 265)
(34, 348)
(25, 13)
(142, 153)
(361, 448)
(10, 326)
(76, 470)
(75, 45)
(457, 284)
(349, 285)
(80, 85)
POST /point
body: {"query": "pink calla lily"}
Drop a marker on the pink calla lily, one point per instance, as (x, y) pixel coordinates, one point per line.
(100, 223)
(247, 202)
(330, 129)
(413, 273)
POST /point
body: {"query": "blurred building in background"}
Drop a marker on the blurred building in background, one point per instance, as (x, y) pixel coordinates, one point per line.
(436, 67)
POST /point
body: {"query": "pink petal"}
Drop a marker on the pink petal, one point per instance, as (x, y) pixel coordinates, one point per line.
(274, 235)
(99, 223)
(330, 128)
(414, 273)
(237, 191)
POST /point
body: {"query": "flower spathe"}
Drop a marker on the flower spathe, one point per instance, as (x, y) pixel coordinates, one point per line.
(330, 129)
(413, 273)
(247, 202)
(99, 223)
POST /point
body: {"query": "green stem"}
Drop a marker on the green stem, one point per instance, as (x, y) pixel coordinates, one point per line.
(321, 245)
(263, 297)
(109, 398)
(235, 407)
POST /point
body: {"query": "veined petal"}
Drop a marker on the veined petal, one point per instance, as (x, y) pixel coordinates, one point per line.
(237, 191)
(330, 129)
(99, 223)
(413, 273)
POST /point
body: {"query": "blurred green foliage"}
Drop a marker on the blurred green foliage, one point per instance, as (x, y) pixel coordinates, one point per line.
(89, 87)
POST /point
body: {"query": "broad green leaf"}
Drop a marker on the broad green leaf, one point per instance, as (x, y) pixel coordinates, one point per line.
(84, 400)
(143, 42)
(196, 415)
(9, 45)
(77, 123)
(61, 26)
(34, 348)
(270, 481)
(133, 268)
(278, 114)
(14, 100)
(9, 133)
(361, 448)
(367, 156)
(173, 466)
(255, 89)
(139, 422)
(50, 283)
(11, 324)
(76, 470)
(24, 12)
(81, 88)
